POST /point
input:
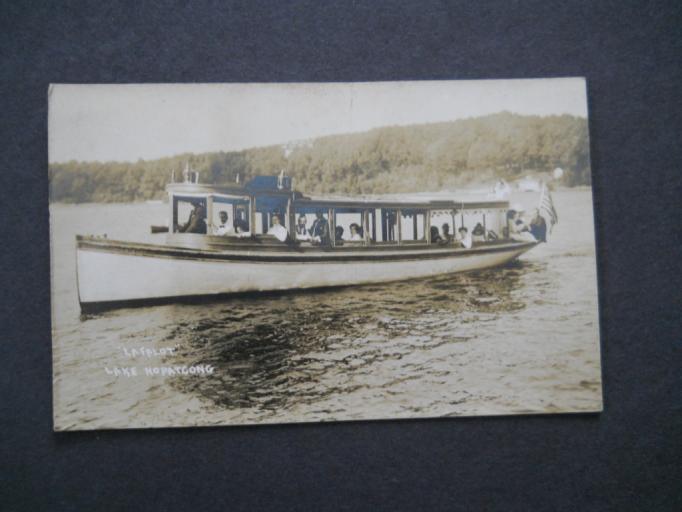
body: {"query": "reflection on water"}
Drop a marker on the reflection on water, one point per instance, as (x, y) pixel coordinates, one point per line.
(272, 352)
(522, 338)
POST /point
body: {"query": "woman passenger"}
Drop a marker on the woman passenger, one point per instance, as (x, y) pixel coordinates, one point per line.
(518, 230)
(355, 233)
(465, 238)
(478, 233)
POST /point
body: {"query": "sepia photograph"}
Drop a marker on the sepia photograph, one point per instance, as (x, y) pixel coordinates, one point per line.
(237, 254)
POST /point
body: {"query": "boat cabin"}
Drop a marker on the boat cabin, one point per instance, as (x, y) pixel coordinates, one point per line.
(203, 215)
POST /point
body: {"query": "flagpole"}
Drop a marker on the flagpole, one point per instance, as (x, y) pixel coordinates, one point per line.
(542, 197)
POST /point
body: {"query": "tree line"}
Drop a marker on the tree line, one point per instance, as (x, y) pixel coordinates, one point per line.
(426, 157)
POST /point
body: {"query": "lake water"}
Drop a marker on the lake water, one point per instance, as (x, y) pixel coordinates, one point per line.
(518, 339)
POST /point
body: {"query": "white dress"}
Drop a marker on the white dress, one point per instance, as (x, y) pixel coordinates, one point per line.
(517, 235)
(279, 232)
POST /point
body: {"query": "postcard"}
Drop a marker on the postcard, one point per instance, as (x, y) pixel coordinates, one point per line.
(231, 254)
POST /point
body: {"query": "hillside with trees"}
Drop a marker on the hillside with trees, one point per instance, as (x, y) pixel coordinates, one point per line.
(426, 157)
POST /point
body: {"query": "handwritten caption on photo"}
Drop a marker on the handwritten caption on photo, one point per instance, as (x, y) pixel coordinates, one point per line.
(152, 370)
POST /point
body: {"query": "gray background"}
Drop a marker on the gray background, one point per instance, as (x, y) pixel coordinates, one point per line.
(624, 459)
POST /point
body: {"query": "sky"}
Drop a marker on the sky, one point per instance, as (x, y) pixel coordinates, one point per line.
(127, 122)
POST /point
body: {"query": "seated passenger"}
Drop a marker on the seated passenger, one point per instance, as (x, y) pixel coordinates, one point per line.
(301, 229)
(338, 234)
(465, 238)
(446, 232)
(320, 230)
(355, 233)
(518, 230)
(277, 230)
(196, 222)
(223, 228)
(521, 225)
(435, 236)
(538, 226)
(478, 233)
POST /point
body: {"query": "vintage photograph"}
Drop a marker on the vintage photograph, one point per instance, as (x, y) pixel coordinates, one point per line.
(230, 254)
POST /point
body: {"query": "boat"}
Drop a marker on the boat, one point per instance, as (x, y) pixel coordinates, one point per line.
(528, 184)
(370, 239)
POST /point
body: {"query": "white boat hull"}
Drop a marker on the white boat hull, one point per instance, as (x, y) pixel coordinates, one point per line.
(115, 277)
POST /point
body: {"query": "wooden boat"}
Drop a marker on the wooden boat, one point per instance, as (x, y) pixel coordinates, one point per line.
(393, 239)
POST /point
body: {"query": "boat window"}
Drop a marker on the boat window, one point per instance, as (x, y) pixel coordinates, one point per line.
(446, 221)
(383, 225)
(348, 225)
(258, 224)
(228, 216)
(412, 224)
(311, 224)
(189, 214)
(266, 207)
(476, 223)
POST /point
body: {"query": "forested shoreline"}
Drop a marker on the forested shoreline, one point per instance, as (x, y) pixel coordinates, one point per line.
(426, 157)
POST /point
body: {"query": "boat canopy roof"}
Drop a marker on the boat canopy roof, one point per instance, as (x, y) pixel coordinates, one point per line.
(416, 203)
(270, 188)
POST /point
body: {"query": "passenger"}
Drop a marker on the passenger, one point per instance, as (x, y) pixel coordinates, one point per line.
(446, 232)
(465, 238)
(478, 233)
(223, 228)
(355, 233)
(320, 230)
(538, 226)
(301, 229)
(518, 230)
(435, 236)
(521, 225)
(196, 222)
(338, 234)
(277, 230)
